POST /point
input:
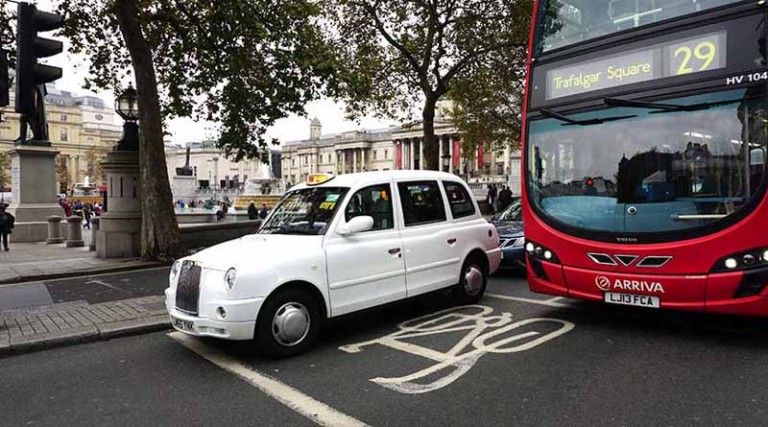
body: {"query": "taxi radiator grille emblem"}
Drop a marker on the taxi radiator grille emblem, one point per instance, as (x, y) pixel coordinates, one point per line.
(188, 288)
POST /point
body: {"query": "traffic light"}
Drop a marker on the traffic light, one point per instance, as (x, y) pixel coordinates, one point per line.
(30, 47)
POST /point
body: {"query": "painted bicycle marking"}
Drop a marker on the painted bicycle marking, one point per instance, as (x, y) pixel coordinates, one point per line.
(485, 333)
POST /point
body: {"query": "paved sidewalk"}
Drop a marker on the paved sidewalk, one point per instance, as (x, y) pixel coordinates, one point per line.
(42, 327)
(38, 261)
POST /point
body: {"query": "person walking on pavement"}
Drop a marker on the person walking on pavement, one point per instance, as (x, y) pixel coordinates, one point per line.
(252, 212)
(264, 211)
(505, 198)
(6, 225)
(87, 216)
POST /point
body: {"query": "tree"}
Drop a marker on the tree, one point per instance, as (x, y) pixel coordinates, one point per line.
(487, 103)
(5, 169)
(93, 158)
(62, 174)
(240, 63)
(396, 54)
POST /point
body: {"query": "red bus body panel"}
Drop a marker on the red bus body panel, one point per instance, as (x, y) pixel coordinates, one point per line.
(685, 278)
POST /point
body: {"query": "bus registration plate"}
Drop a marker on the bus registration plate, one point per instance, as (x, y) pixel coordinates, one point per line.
(631, 299)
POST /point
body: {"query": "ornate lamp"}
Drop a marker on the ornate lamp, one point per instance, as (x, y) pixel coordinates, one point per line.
(127, 107)
(446, 161)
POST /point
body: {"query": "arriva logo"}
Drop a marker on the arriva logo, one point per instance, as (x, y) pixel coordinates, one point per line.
(604, 284)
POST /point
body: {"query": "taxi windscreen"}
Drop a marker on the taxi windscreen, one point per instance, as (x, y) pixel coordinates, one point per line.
(306, 211)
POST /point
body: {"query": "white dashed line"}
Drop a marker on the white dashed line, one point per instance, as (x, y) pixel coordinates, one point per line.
(305, 405)
(549, 303)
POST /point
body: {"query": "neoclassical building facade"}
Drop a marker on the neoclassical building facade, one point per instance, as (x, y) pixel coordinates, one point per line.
(395, 148)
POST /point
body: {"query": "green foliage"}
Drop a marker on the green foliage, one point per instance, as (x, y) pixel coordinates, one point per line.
(5, 169)
(396, 54)
(93, 158)
(240, 63)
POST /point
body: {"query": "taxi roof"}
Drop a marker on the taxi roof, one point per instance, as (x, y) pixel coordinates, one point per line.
(364, 178)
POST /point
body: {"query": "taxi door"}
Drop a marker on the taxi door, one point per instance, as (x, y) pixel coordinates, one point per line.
(366, 269)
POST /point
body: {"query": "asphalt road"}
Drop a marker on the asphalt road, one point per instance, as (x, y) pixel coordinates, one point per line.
(515, 359)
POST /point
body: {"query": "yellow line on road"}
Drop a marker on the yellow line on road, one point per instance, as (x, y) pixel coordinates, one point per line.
(305, 405)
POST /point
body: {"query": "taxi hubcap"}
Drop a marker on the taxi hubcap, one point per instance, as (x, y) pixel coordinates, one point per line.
(291, 324)
(473, 280)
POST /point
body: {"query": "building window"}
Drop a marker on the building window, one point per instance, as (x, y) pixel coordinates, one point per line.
(63, 117)
(386, 154)
(375, 153)
(499, 168)
(293, 162)
(64, 135)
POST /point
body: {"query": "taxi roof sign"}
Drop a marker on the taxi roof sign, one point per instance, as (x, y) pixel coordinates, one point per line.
(318, 178)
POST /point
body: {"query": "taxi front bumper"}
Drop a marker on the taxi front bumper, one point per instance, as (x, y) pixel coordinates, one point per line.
(225, 319)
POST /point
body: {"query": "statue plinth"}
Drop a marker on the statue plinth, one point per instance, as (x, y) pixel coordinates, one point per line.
(119, 234)
(33, 179)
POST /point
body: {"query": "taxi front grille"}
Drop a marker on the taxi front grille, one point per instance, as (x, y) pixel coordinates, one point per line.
(188, 288)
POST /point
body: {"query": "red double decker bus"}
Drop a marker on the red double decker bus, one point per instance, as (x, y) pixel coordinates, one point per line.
(644, 151)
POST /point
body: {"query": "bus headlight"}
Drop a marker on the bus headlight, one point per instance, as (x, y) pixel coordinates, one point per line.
(230, 278)
(540, 252)
(744, 260)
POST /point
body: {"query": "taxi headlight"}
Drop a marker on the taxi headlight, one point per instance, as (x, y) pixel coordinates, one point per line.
(230, 277)
(175, 268)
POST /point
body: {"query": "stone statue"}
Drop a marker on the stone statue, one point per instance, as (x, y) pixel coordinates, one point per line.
(185, 170)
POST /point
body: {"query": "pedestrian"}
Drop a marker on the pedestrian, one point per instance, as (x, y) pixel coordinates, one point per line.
(87, 216)
(492, 195)
(263, 212)
(6, 225)
(505, 198)
(252, 212)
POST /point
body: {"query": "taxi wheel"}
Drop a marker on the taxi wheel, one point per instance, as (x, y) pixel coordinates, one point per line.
(472, 282)
(288, 323)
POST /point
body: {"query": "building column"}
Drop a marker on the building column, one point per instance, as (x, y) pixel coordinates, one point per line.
(397, 155)
(450, 151)
(421, 154)
(440, 153)
(354, 160)
(363, 167)
(411, 153)
(343, 161)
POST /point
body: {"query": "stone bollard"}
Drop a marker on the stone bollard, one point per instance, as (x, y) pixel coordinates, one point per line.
(94, 231)
(54, 230)
(75, 232)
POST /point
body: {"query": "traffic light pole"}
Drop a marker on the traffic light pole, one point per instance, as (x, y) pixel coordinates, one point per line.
(33, 161)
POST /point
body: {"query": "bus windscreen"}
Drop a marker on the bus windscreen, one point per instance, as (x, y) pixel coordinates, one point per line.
(562, 23)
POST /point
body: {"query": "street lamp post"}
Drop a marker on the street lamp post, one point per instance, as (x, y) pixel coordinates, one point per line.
(127, 107)
(446, 161)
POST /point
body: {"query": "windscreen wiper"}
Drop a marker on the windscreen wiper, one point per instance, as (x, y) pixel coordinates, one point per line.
(667, 108)
(573, 122)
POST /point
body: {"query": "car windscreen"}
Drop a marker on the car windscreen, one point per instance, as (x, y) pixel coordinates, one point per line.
(307, 211)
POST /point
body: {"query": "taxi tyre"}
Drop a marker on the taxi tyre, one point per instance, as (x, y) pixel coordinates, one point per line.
(464, 294)
(297, 304)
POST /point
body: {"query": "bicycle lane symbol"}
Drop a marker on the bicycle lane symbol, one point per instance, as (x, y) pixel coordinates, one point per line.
(484, 334)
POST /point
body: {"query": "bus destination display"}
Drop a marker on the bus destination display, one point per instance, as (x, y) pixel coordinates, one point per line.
(693, 55)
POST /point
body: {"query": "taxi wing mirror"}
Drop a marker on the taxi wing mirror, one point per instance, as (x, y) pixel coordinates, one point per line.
(357, 224)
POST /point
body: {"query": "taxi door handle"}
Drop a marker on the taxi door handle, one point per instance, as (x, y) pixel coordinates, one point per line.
(452, 240)
(394, 251)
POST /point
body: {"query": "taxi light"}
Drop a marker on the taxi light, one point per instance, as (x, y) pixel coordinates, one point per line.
(175, 271)
(731, 263)
(318, 178)
(230, 278)
(221, 312)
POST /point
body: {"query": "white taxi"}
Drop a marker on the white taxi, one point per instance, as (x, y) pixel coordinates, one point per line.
(332, 246)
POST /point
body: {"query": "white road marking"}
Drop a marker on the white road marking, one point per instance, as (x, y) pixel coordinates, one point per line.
(549, 303)
(85, 274)
(484, 334)
(305, 405)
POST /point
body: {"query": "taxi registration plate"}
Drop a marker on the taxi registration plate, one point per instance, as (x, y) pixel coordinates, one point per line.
(632, 299)
(184, 325)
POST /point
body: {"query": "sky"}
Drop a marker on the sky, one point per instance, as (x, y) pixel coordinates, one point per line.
(330, 113)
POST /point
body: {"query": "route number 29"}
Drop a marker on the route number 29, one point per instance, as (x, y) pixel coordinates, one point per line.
(705, 52)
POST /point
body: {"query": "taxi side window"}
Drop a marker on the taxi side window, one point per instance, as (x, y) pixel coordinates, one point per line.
(459, 200)
(374, 201)
(422, 202)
